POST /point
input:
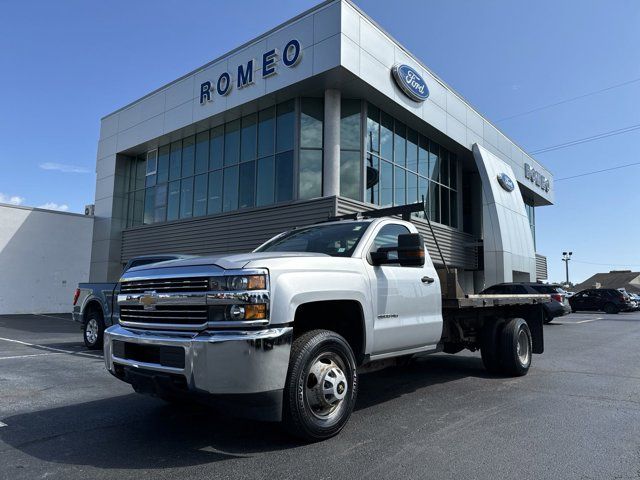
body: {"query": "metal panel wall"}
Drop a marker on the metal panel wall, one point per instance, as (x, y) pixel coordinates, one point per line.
(458, 248)
(541, 267)
(225, 233)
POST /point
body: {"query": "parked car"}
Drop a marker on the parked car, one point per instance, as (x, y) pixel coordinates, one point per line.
(558, 306)
(608, 300)
(93, 302)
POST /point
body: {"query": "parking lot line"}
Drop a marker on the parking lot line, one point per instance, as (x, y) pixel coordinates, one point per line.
(31, 355)
(52, 349)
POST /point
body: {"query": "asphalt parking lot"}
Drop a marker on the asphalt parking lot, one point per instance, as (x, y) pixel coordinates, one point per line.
(576, 415)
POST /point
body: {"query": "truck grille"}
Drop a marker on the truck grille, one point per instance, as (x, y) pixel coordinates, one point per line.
(166, 285)
(187, 315)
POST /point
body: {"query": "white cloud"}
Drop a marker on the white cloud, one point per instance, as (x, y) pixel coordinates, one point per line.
(12, 199)
(54, 206)
(64, 167)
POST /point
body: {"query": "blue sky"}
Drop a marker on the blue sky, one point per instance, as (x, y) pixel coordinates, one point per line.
(66, 64)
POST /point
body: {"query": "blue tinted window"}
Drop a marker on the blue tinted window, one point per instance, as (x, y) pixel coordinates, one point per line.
(310, 174)
(311, 121)
(216, 147)
(284, 176)
(175, 160)
(386, 183)
(265, 181)
(386, 136)
(373, 129)
(249, 137)
(350, 174)
(202, 152)
(200, 196)
(230, 189)
(173, 200)
(247, 184)
(400, 144)
(266, 131)
(188, 155)
(214, 196)
(163, 164)
(232, 143)
(350, 137)
(186, 198)
(399, 188)
(285, 126)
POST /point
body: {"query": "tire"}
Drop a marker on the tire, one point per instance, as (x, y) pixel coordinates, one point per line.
(93, 330)
(547, 318)
(489, 343)
(610, 308)
(309, 413)
(515, 348)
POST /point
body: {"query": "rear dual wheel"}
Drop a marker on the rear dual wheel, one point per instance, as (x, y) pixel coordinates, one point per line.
(507, 348)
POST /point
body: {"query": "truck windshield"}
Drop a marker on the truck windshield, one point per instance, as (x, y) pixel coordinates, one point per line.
(336, 239)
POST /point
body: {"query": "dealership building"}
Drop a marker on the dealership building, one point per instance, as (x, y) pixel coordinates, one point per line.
(323, 115)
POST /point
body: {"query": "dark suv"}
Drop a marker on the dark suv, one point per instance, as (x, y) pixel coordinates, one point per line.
(557, 307)
(608, 300)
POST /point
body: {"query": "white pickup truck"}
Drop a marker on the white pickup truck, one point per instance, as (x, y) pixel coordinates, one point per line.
(283, 332)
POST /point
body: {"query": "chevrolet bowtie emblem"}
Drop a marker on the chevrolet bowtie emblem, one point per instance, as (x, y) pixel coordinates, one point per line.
(149, 300)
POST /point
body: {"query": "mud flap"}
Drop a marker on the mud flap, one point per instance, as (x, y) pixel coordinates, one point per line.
(534, 316)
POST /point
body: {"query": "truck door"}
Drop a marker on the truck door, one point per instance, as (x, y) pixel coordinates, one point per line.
(406, 302)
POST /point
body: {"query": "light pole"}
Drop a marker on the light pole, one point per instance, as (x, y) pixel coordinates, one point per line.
(566, 256)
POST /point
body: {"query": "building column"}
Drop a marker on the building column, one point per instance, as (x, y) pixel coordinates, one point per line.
(331, 168)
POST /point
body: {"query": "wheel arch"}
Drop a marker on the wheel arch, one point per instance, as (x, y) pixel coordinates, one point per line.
(343, 316)
(92, 305)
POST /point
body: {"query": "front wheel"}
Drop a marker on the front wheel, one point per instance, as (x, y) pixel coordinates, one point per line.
(93, 330)
(321, 386)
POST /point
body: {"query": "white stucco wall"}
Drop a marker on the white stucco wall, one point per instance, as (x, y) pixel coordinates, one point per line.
(43, 256)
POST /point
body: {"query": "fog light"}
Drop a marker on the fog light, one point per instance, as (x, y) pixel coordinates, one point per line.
(236, 312)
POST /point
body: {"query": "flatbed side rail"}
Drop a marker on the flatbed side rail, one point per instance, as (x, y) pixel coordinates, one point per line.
(483, 301)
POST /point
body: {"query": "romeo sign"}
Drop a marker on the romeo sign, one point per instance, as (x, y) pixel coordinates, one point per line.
(244, 74)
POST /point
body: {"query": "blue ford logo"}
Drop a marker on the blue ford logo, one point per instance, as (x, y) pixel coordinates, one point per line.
(410, 82)
(505, 182)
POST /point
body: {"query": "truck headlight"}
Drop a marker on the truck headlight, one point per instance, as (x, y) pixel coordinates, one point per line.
(239, 282)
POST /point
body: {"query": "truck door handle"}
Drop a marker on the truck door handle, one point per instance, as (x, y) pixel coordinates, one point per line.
(426, 279)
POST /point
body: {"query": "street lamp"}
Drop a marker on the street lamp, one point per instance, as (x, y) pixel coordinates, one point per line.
(566, 256)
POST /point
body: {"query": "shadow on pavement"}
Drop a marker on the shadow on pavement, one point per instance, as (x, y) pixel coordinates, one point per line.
(138, 432)
(39, 324)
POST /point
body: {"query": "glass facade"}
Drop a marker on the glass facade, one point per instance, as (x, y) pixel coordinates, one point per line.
(403, 166)
(244, 163)
(251, 162)
(531, 213)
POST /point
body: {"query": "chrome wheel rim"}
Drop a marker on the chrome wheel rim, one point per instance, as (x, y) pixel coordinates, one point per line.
(522, 348)
(326, 386)
(91, 331)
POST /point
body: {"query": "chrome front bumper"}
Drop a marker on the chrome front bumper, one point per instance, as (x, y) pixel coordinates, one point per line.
(218, 363)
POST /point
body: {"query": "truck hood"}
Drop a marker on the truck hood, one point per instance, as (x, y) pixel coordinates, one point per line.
(227, 262)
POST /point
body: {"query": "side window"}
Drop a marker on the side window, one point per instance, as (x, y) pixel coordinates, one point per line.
(388, 237)
(519, 290)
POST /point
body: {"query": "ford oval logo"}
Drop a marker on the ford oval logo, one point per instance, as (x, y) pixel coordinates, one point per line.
(410, 82)
(505, 182)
